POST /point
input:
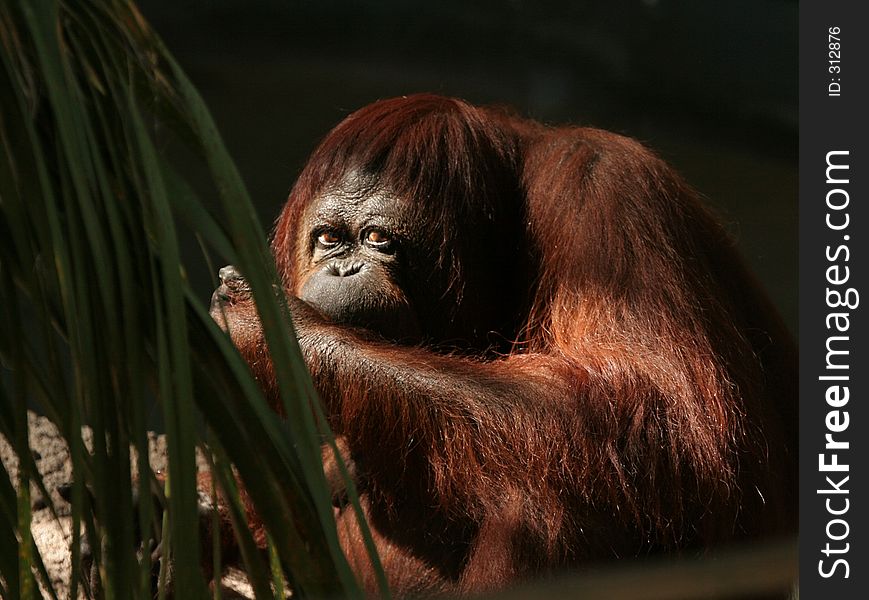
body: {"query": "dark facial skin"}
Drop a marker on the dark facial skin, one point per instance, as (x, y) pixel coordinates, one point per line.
(356, 252)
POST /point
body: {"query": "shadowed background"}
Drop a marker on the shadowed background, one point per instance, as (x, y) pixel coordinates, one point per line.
(711, 86)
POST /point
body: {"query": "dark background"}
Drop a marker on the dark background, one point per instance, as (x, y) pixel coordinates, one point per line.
(710, 85)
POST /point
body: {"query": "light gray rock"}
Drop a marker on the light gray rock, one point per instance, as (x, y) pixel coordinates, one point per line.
(54, 536)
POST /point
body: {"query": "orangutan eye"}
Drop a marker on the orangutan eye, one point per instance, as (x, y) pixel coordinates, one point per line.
(328, 238)
(377, 237)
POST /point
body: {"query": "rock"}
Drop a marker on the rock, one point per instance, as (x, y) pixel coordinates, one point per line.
(54, 536)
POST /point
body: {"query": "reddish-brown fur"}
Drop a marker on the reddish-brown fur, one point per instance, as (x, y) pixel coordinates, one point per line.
(637, 396)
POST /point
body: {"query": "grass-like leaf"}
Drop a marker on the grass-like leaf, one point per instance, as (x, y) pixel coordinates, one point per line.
(101, 328)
